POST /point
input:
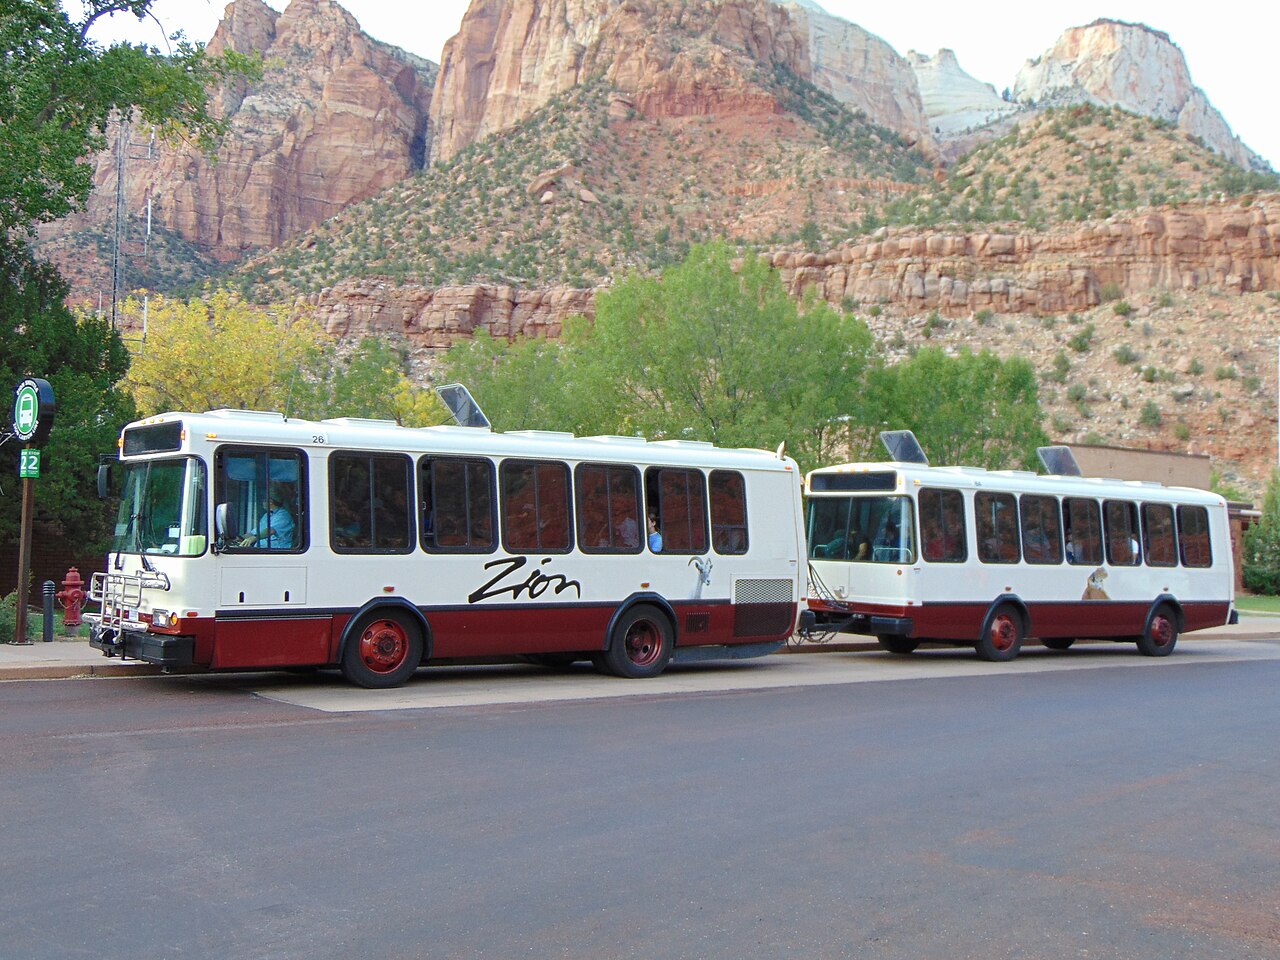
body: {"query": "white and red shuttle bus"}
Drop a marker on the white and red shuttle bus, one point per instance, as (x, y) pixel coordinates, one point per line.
(910, 553)
(246, 540)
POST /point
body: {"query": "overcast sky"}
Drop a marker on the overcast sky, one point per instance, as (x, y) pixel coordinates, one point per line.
(1229, 49)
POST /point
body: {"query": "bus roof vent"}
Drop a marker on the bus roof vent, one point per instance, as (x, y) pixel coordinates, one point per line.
(535, 434)
(1059, 461)
(231, 413)
(903, 447)
(460, 403)
(612, 438)
(688, 444)
(359, 422)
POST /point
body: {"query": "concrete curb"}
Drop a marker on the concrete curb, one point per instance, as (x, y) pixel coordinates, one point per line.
(83, 666)
(73, 671)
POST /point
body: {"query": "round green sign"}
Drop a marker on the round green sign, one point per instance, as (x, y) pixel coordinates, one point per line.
(33, 409)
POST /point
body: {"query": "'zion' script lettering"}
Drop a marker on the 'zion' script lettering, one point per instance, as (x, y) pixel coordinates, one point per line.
(535, 584)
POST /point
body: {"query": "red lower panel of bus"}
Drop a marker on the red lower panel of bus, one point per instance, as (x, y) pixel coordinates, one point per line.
(268, 639)
(963, 621)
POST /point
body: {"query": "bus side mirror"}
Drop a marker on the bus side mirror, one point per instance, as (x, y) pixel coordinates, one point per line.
(104, 480)
(224, 523)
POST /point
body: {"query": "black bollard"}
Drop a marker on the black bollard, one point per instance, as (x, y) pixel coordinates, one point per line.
(47, 590)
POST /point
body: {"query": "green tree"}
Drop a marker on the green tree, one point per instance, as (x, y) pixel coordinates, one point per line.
(219, 351)
(970, 409)
(83, 359)
(711, 350)
(59, 89)
(525, 385)
(1262, 544)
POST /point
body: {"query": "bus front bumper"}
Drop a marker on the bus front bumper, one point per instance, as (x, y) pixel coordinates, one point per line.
(129, 644)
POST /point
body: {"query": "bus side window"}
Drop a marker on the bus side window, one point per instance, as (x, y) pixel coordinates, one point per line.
(265, 492)
(1084, 531)
(369, 498)
(535, 506)
(1157, 535)
(942, 531)
(1041, 529)
(1193, 537)
(679, 497)
(728, 512)
(1120, 518)
(456, 510)
(608, 508)
(997, 527)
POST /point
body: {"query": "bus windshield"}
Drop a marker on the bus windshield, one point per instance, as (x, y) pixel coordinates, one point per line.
(163, 508)
(862, 529)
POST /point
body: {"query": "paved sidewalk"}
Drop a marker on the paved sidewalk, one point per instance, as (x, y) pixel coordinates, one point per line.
(70, 657)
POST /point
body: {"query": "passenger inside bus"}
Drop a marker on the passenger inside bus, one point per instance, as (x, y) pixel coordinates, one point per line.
(890, 546)
(655, 534)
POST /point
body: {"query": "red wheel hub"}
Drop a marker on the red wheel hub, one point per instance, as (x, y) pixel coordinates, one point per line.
(644, 644)
(383, 646)
(1003, 632)
(1161, 630)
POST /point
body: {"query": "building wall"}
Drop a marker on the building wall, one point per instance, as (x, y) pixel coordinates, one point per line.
(1171, 469)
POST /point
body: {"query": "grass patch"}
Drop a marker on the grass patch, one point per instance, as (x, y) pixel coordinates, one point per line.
(1252, 603)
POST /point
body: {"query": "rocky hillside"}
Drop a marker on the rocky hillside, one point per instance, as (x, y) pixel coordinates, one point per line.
(1074, 163)
(592, 184)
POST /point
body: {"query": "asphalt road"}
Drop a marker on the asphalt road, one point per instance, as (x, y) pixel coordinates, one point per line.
(1103, 808)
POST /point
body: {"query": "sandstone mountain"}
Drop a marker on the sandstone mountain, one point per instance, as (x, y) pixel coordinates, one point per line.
(510, 57)
(336, 118)
(1134, 67)
(960, 109)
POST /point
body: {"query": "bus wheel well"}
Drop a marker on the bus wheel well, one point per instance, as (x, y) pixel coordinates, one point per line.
(1003, 630)
(1009, 599)
(385, 604)
(1168, 600)
(649, 599)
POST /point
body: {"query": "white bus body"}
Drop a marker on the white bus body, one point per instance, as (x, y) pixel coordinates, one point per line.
(910, 553)
(246, 540)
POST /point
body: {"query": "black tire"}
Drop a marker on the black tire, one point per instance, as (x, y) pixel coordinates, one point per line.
(383, 650)
(1161, 633)
(898, 645)
(1002, 634)
(640, 644)
(1058, 643)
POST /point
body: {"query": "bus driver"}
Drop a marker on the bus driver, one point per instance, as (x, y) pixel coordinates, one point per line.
(275, 527)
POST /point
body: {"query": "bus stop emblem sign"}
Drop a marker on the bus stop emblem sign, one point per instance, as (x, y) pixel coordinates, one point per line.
(33, 408)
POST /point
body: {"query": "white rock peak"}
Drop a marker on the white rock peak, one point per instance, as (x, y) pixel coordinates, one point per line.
(1131, 65)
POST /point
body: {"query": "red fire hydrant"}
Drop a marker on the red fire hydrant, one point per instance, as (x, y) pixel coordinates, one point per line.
(72, 598)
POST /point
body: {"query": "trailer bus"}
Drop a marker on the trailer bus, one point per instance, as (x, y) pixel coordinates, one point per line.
(910, 553)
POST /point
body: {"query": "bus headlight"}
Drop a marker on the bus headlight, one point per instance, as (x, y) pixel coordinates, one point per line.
(163, 619)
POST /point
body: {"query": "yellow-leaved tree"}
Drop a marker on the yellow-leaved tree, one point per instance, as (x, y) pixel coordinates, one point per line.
(219, 351)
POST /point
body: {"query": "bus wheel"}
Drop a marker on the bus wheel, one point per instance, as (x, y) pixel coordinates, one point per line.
(640, 645)
(1058, 643)
(1001, 635)
(1161, 635)
(383, 650)
(896, 644)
